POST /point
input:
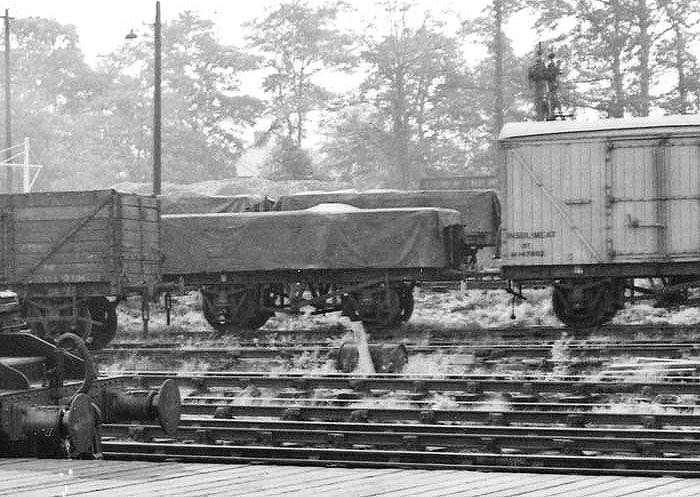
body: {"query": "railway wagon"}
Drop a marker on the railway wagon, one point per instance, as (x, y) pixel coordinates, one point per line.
(210, 204)
(590, 206)
(358, 261)
(70, 256)
(462, 182)
(480, 209)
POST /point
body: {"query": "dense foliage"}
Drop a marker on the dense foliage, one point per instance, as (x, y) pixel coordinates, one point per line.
(414, 100)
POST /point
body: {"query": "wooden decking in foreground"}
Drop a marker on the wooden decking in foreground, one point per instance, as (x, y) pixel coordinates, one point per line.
(48, 477)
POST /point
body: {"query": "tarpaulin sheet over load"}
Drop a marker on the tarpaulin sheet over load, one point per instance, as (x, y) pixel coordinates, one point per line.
(308, 239)
(481, 212)
(212, 204)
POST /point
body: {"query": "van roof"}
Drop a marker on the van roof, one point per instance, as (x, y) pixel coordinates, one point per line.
(537, 128)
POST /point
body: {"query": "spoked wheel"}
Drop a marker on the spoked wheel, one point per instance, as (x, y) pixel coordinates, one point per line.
(585, 304)
(49, 318)
(104, 326)
(233, 308)
(675, 298)
(375, 307)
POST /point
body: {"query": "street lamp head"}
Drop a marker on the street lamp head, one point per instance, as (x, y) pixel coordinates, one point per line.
(131, 35)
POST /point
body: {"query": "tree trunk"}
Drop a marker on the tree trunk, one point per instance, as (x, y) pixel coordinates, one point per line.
(644, 50)
(400, 132)
(617, 107)
(680, 69)
(498, 56)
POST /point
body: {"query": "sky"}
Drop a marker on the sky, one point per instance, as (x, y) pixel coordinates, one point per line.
(102, 24)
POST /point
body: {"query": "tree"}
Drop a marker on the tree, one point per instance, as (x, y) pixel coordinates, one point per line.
(609, 50)
(415, 73)
(298, 42)
(676, 55)
(52, 92)
(288, 161)
(203, 109)
(488, 28)
(358, 146)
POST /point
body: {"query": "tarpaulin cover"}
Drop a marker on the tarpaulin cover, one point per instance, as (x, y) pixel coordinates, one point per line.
(480, 209)
(308, 239)
(213, 204)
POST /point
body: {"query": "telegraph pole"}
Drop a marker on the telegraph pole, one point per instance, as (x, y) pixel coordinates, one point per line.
(156, 99)
(8, 106)
(156, 104)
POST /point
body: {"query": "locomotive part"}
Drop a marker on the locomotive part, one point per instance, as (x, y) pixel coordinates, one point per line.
(52, 402)
(387, 358)
(162, 405)
(53, 430)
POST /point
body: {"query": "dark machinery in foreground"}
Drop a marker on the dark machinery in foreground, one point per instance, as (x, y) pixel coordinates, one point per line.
(52, 401)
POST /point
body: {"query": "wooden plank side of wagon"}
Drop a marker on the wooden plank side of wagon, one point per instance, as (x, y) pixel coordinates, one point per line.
(107, 239)
(54, 259)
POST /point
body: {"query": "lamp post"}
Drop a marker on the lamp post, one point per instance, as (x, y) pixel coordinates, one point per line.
(8, 105)
(156, 100)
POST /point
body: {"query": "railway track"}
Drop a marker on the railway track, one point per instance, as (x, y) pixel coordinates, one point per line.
(209, 403)
(495, 415)
(466, 384)
(407, 459)
(507, 421)
(578, 349)
(322, 335)
(397, 437)
(540, 449)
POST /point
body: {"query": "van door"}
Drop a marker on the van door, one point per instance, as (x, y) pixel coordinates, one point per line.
(637, 217)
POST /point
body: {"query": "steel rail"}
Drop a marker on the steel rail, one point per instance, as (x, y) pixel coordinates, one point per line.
(418, 383)
(431, 416)
(417, 344)
(504, 332)
(485, 351)
(517, 404)
(261, 424)
(531, 442)
(646, 466)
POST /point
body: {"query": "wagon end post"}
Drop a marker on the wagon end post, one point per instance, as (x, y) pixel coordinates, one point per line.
(145, 310)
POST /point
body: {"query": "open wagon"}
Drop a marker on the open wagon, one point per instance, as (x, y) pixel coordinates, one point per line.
(480, 209)
(71, 255)
(363, 262)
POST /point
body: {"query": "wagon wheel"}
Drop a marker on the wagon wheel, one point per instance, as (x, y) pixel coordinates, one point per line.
(380, 308)
(675, 298)
(50, 318)
(258, 320)
(104, 326)
(238, 309)
(207, 311)
(587, 304)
